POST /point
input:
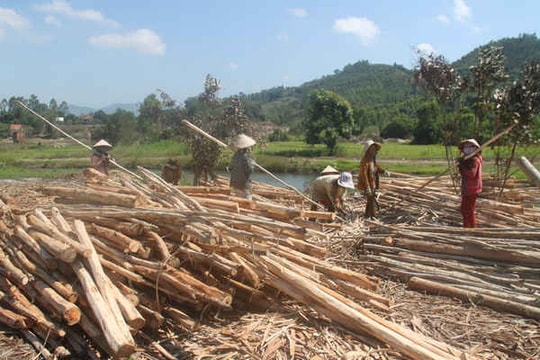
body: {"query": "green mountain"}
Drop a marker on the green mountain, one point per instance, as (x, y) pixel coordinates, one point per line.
(379, 93)
(518, 51)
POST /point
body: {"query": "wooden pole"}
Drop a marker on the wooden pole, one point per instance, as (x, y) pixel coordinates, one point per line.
(528, 168)
(487, 143)
(222, 144)
(23, 105)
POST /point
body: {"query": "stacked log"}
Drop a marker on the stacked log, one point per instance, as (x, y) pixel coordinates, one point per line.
(153, 252)
(438, 204)
(498, 268)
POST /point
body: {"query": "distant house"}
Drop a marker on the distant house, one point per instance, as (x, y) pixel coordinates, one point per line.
(87, 118)
(59, 119)
(17, 133)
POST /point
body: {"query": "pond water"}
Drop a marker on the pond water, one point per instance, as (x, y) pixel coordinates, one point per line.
(299, 181)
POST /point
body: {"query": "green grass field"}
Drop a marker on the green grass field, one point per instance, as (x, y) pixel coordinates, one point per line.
(53, 159)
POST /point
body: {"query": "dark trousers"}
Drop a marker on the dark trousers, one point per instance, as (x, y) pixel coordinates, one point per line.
(468, 210)
(372, 207)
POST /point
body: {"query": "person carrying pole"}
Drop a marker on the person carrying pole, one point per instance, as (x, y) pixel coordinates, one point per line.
(470, 169)
(100, 156)
(222, 144)
(111, 160)
(242, 166)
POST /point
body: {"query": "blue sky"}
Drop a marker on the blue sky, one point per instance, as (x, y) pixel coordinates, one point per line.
(100, 52)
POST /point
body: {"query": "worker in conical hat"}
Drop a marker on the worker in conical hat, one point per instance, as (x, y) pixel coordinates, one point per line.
(471, 179)
(329, 170)
(102, 144)
(100, 156)
(242, 166)
(368, 177)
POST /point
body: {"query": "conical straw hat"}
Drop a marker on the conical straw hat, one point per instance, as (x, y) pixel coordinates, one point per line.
(369, 144)
(242, 141)
(329, 170)
(468, 141)
(103, 143)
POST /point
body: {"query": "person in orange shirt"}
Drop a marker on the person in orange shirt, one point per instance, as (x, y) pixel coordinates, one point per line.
(368, 177)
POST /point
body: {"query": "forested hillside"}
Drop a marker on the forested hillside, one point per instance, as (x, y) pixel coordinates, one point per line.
(517, 51)
(384, 101)
(378, 93)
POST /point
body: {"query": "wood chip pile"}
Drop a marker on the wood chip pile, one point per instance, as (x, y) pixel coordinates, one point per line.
(114, 259)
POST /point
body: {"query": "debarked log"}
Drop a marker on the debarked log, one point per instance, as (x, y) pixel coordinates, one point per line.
(120, 342)
(528, 168)
(39, 222)
(58, 249)
(225, 205)
(68, 311)
(89, 196)
(41, 254)
(121, 241)
(9, 270)
(12, 297)
(179, 281)
(214, 261)
(50, 277)
(12, 319)
(336, 307)
(436, 288)
(121, 308)
(279, 210)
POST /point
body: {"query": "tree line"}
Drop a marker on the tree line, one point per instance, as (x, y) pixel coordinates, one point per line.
(436, 102)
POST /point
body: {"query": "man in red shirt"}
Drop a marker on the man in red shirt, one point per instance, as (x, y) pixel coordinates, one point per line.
(471, 179)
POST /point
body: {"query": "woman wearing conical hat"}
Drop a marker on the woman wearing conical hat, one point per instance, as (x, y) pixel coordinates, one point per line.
(471, 179)
(242, 166)
(100, 157)
(368, 177)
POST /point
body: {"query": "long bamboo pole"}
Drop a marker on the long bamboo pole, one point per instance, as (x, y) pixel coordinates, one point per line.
(23, 105)
(487, 143)
(222, 144)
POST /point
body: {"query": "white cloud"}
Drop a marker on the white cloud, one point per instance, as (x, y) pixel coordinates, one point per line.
(364, 28)
(64, 8)
(425, 49)
(233, 65)
(299, 13)
(443, 19)
(51, 20)
(10, 18)
(144, 41)
(462, 11)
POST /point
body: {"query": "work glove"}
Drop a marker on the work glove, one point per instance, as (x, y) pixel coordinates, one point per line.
(463, 164)
(386, 173)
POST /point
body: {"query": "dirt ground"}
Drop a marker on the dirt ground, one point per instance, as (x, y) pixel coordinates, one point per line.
(292, 331)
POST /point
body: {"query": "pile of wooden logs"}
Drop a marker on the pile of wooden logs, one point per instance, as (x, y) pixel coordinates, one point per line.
(114, 257)
(438, 204)
(495, 268)
(420, 241)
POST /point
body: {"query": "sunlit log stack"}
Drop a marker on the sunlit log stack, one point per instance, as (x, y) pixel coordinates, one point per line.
(419, 240)
(114, 258)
